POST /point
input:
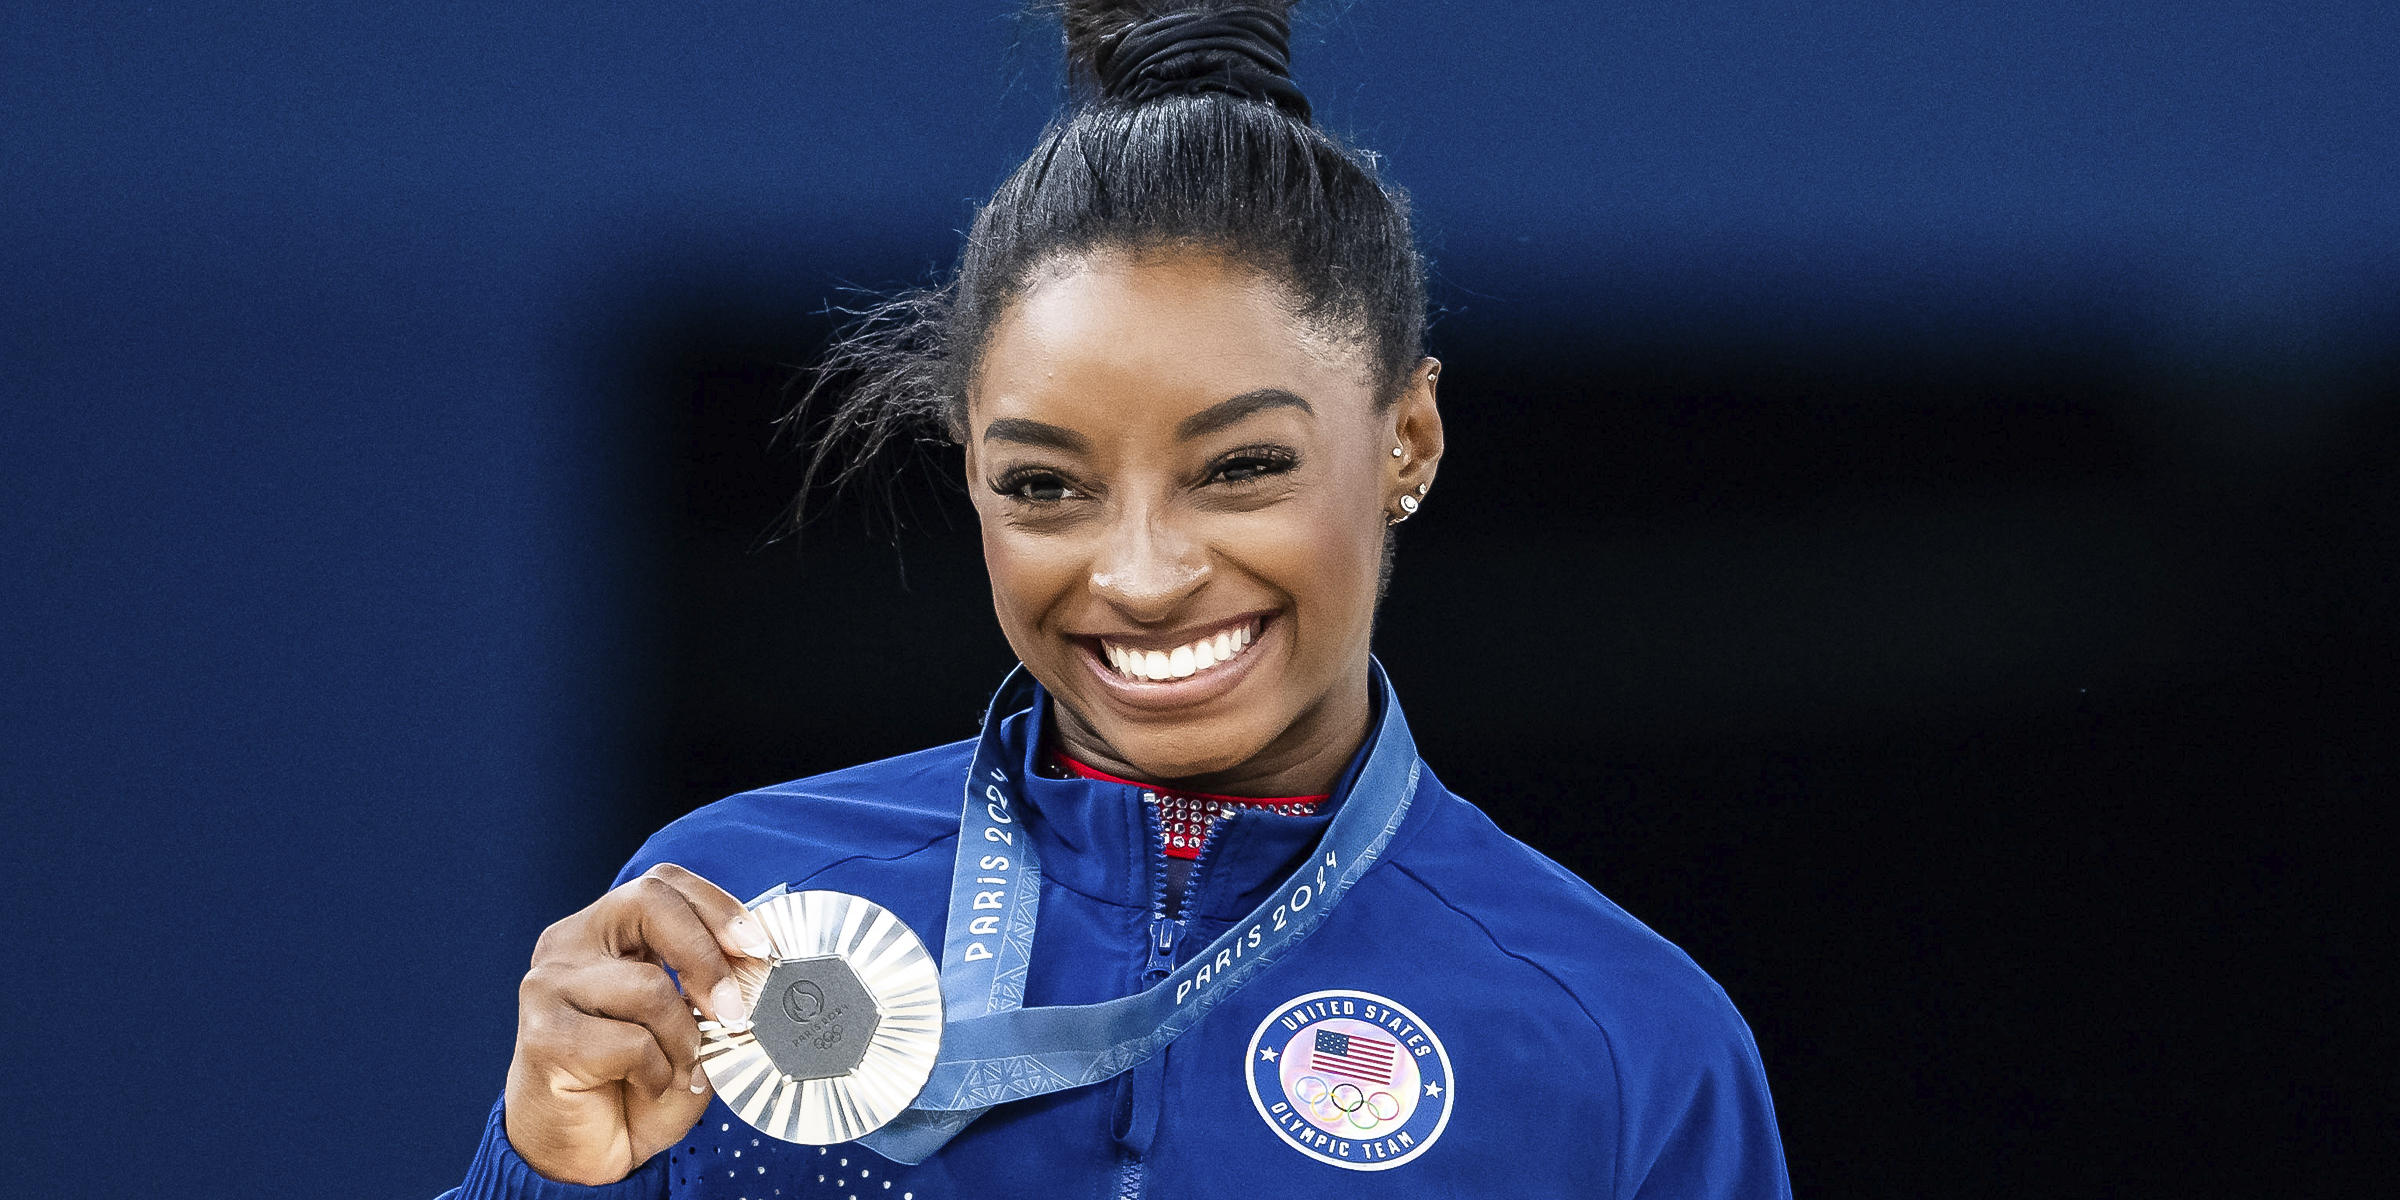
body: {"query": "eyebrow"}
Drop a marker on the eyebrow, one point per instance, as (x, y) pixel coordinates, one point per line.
(1221, 415)
(1035, 433)
(1226, 413)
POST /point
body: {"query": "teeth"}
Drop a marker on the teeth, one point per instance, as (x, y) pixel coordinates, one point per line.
(1182, 662)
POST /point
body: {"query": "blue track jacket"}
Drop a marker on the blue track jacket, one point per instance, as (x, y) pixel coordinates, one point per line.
(1472, 1020)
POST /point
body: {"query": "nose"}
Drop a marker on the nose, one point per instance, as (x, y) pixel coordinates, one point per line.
(1146, 565)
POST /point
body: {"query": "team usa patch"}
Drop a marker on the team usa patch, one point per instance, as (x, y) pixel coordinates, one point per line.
(1350, 1078)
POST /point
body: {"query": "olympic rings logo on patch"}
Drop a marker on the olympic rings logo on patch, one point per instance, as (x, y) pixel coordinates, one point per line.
(1350, 1078)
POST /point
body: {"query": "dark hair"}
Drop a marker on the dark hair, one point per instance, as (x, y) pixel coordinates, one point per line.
(1184, 132)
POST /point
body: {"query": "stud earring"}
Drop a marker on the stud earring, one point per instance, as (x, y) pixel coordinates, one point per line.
(1396, 453)
(1408, 504)
(1423, 488)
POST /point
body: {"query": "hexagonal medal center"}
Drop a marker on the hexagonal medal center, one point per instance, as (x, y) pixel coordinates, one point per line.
(814, 1018)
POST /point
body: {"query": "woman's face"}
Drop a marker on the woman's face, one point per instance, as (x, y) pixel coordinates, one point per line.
(1183, 495)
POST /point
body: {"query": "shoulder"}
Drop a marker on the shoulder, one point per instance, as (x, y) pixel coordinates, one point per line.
(887, 810)
(1691, 1093)
(1669, 1027)
(1618, 969)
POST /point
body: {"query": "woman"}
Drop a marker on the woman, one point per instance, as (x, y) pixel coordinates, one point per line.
(1183, 356)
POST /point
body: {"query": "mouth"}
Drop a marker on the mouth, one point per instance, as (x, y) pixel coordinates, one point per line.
(1209, 652)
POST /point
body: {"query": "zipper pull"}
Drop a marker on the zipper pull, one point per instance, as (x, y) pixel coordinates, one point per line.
(1162, 946)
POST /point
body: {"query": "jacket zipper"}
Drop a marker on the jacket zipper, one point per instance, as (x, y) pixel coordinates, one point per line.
(1165, 932)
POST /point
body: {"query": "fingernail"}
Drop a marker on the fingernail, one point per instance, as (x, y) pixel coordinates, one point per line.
(753, 942)
(726, 999)
(699, 1079)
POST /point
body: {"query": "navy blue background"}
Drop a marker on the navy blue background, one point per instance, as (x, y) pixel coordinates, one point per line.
(1920, 532)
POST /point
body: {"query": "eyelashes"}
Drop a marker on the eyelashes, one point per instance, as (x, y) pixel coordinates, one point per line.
(1040, 485)
(1034, 485)
(1252, 463)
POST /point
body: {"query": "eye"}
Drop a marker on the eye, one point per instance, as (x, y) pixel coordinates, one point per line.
(1252, 463)
(1034, 487)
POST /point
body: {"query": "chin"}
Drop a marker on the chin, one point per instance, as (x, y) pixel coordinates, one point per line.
(1165, 746)
(1190, 750)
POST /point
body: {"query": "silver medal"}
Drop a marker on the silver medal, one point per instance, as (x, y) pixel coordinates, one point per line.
(845, 1025)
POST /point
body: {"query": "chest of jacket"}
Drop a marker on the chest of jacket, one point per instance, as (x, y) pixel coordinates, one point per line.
(1396, 1047)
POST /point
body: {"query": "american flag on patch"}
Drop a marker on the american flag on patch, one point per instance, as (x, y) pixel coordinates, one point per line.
(1353, 1056)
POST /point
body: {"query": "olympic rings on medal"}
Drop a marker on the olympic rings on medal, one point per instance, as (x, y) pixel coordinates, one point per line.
(827, 943)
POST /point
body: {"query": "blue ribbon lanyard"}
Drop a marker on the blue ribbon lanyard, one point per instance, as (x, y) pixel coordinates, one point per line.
(995, 1050)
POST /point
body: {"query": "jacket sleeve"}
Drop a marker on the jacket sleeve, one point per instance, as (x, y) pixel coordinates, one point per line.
(498, 1174)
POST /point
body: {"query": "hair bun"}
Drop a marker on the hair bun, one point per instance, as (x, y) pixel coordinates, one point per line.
(1242, 51)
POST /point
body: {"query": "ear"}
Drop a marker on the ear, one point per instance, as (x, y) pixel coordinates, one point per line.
(1417, 430)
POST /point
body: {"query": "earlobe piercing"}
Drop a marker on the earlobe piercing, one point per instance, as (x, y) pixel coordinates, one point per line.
(1408, 504)
(1423, 488)
(1396, 453)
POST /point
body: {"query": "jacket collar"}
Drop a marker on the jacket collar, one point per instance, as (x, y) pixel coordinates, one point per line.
(1098, 838)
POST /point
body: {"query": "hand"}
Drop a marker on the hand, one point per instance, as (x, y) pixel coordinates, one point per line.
(607, 1068)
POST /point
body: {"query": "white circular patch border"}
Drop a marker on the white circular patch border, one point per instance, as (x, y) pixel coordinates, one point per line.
(1257, 1101)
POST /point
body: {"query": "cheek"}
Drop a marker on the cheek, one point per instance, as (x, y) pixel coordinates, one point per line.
(1348, 561)
(1029, 576)
(1325, 551)
(1007, 568)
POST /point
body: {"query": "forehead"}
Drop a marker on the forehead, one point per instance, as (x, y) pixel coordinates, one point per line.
(1157, 335)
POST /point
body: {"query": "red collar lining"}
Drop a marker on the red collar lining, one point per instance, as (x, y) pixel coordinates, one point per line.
(1245, 801)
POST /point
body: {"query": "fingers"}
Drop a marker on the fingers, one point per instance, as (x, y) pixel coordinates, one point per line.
(638, 994)
(604, 1052)
(649, 921)
(590, 1098)
(558, 998)
(654, 1126)
(736, 932)
(607, 1057)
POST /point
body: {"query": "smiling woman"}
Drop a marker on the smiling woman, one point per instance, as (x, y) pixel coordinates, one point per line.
(1175, 466)
(1206, 924)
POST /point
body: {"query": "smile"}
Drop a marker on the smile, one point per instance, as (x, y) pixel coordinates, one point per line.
(1184, 661)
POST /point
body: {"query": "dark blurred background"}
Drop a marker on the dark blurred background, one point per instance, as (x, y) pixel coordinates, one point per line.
(1920, 531)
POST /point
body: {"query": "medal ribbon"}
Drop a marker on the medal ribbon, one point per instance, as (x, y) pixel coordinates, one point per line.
(995, 1050)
